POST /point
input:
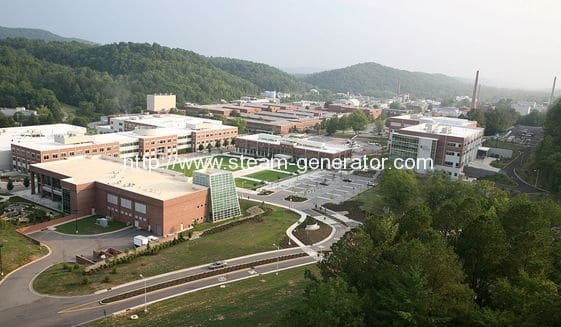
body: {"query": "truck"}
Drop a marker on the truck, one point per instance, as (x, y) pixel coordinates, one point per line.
(140, 240)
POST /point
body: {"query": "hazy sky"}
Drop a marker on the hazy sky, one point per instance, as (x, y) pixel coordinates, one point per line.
(513, 43)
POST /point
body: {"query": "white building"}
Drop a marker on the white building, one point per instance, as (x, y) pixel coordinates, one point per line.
(160, 102)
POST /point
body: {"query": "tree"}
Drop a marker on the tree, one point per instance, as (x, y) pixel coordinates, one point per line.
(226, 143)
(26, 181)
(209, 147)
(332, 125)
(240, 123)
(395, 105)
(331, 303)
(483, 248)
(10, 185)
(79, 121)
(358, 120)
(379, 123)
(201, 147)
(217, 144)
(343, 123)
(399, 189)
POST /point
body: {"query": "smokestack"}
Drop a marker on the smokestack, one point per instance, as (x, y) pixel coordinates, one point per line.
(552, 96)
(474, 95)
(478, 92)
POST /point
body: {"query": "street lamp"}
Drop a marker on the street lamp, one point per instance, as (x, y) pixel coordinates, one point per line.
(537, 177)
(1, 270)
(145, 306)
(278, 250)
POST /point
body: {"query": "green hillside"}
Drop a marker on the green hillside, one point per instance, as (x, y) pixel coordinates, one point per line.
(110, 78)
(264, 76)
(36, 34)
(378, 80)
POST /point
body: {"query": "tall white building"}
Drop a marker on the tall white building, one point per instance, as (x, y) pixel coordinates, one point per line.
(160, 102)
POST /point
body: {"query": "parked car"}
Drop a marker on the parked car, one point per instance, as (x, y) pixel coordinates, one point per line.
(371, 183)
(348, 180)
(217, 264)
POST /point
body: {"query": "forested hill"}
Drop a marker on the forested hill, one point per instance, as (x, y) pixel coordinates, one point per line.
(264, 76)
(110, 78)
(36, 34)
(378, 80)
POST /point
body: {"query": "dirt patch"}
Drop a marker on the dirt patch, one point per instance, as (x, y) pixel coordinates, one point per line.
(311, 236)
(352, 207)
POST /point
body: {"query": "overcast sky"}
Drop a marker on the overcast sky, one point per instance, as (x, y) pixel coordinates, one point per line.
(513, 43)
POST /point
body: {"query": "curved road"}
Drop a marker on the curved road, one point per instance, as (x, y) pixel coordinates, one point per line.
(24, 307)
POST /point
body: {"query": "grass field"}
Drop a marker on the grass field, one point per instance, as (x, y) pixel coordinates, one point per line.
(246, 183)
(258, 301)
(269, 175)
(17, 249)
(244, 205)
(237, 241)
(290, 168)
(87, 226)
(222, 162)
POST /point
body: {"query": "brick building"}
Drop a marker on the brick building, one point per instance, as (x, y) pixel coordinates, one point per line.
(162, 201)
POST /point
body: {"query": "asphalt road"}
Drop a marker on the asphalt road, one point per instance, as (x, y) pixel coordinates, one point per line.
(24, 307)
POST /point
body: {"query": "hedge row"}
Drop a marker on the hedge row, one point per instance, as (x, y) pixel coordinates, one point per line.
(255, 219)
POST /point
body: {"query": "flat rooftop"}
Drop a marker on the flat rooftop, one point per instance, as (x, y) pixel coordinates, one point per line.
(158, 184)
(48, 142)
(436, 120)
(448, 130)
(35, 134)
(174, 121)
(297, 141)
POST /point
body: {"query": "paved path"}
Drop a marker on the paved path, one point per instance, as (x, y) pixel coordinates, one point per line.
(24, 307)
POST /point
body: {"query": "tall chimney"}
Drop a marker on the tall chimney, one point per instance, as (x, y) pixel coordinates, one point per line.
(474, 95)
(552, 96)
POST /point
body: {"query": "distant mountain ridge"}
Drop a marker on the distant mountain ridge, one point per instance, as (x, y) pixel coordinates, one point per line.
(36, 34)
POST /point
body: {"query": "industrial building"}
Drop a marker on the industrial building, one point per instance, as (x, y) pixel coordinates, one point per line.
(296, 146)
(160, 201)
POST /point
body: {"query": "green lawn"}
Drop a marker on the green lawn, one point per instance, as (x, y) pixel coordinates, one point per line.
(17, 249)
(246, 183)
(244, 205)
(290, 168)
(259, 301)
(269, 175)
(237, 241)
(220, 161)
(87, 226)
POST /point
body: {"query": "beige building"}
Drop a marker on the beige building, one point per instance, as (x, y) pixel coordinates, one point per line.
(160, 103)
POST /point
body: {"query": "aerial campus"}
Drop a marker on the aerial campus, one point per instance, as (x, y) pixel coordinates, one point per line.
(145, 185)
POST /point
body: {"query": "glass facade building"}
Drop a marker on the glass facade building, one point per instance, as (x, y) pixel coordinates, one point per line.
(222, 191)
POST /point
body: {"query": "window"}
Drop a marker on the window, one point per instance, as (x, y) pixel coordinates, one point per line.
(55, 155)
(46, 157)
(87, 151)
(140, 207)
(112, 198)
(126, 203)
(71, 153)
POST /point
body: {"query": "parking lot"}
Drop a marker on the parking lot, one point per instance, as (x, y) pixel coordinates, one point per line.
(320, 187)
(527, 134)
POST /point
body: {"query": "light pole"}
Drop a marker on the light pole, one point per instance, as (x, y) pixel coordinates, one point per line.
(145, 307)
(537, 177)
(1, 270)
(278, 250)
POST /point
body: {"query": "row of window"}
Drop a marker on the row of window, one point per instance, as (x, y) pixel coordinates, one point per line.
(79, 153)
(126, 203)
